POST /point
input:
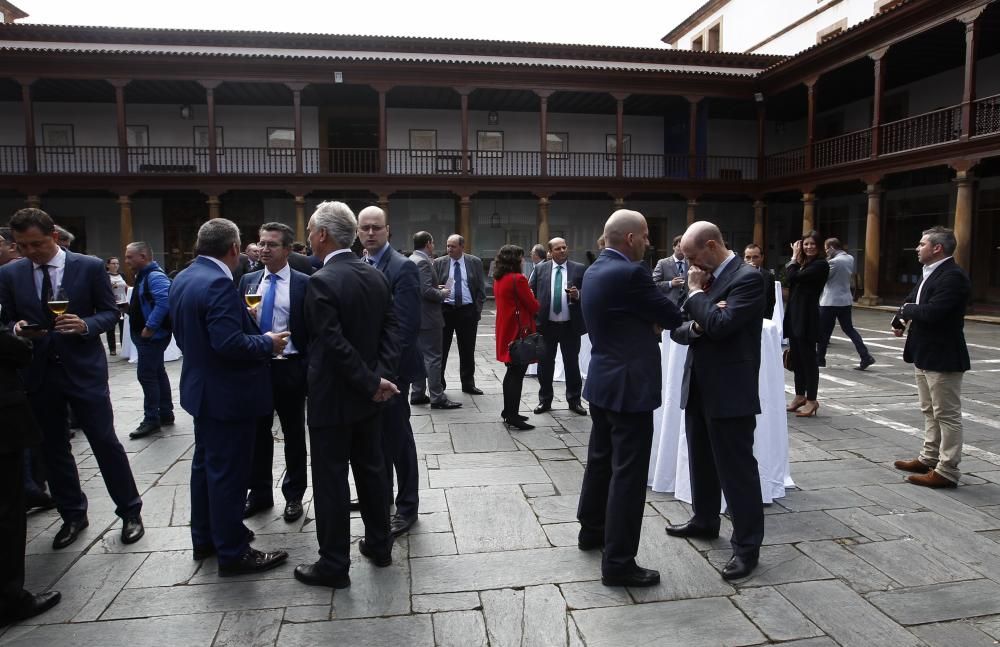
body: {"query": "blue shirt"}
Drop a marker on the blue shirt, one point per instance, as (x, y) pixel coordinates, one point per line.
(466, 294)
(377, 257)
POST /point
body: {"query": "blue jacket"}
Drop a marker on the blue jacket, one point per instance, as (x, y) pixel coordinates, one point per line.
(620, 306)
(225, 374)
(159, 287)
(297, 296)
(404, 281)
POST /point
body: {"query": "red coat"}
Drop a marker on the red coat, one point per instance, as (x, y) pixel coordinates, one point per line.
(504, 291)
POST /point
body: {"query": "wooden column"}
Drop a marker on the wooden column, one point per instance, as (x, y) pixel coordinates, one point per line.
(543, 127)
(383, 151)
(464, 224)
(873, 234)
(808, 212)
(464, 96)
(972, 24)
(29, 125)
(810, 120)
(963, 217)
(296, 89)
(878, 57)
(119, 86)
(691, 210)
(693, 136)
(543, 220)
(761, 113)
(619, 203)
(213, 206)
(213, 145)
(125, 229)
(33, 202)
(300, 218)
(758, 223)
(619, 133)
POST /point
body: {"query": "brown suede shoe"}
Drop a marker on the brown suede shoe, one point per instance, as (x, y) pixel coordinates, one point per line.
(914, 466)
(931, 479)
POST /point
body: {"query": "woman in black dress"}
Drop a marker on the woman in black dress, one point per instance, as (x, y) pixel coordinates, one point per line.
(806, 272)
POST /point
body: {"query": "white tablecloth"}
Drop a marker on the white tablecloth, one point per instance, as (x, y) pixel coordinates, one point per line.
(127, 351)
(559, 375)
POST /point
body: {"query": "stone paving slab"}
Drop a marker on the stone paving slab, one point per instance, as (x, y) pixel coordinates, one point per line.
(498, 570)
(415, 631)
(938, 602)
(493, 518)
(193, 630)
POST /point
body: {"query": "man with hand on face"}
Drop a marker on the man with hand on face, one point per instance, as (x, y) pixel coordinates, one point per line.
(280, 310)
(68, 367)
(226, 387)
(461, 308)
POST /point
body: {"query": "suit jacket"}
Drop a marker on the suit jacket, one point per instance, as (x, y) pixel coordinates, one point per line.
(430, 311)
(476, 278)
(404, 283)
(301, 263)
(354, 340)
(297, 296)
(541, 284)
(725, 358)
(936, 341)
(620, 306)
(805, 284)
(86, 284)
(19, 428)
(664, 272)
(242, 267)
(225, 373)
(837, 291)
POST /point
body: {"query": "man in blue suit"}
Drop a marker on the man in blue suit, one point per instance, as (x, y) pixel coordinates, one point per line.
(397, 434)
(68, 366)
(621, 307)
(281, 310)
(719, 394)
(225, 386)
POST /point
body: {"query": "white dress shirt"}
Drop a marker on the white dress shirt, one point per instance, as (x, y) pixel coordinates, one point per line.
(466, 293)
(564, 315)
(928, 270)
(282, 303)
(334, 253)
(57, 266)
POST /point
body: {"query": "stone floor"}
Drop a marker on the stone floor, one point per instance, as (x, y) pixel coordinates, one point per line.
(854, 557)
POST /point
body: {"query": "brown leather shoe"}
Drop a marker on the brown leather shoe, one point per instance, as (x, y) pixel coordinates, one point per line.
(931, 479)
(914, 466)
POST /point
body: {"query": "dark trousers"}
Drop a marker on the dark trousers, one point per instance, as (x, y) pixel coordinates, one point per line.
(400, 452)
(463, 323)
(829, 316)
(359, 446)
(12, 532)
(110, 335)
(802, 355)
(96, 419)
(613, 495)
(560, 333)
(513, 381)
(157, 401)
(219, 474)
(288, 386)
(34, 481)
(721, 460)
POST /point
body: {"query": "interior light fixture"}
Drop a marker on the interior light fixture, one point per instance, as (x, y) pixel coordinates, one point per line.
(186, 112)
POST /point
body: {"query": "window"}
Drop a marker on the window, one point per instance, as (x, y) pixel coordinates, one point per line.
(557, 145)
(709, 39)
(697, 44)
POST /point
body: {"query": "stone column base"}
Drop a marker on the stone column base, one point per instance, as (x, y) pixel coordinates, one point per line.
(869, 301)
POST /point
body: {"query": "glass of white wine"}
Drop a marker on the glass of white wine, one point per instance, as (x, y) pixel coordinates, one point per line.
(253, 296)
(58, 302)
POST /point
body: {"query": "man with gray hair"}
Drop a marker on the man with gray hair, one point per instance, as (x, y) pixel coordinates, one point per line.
(66, 238)
(225, 386)
(353, 360)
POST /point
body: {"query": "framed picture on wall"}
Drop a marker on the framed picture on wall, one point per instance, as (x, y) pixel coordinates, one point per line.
(611, 145)
(201, 140)
(137, 139)
(57, 139)
(557, 145)
(280, 141)
(423, 143)
(489, 143)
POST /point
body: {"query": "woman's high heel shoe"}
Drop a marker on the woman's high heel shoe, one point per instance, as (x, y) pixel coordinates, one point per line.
(796, 404)
(809, 411)
(520, 425)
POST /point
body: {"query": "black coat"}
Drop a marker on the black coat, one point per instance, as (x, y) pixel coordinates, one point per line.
(18, 429)
(805, 285)
(936, 341)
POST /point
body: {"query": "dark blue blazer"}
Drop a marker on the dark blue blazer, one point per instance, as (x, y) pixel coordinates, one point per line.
(620, 306)
(297, 296)
(404, 282)
(85, 281)
(936, 341)
(725, 359)
(225, 374)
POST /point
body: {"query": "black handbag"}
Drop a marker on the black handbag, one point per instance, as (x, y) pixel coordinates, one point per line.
(529, 347)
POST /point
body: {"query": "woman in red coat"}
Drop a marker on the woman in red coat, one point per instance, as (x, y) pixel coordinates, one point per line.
(516, 309)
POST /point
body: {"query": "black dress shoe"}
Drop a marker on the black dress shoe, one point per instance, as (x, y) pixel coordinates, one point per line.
(423, 399)
(543, 407)
(253, 506)
(69, 532)
(132, 530)
(31, 606)
(577, 408)
(253, 561)
(637, 576)
(400, 524)
(692, 530)
(445, 404)
(38, 501)
(167, 420)
(516, 416)
(293, 510)
(379, 559)
(309, 574)
(865, 363)
(738, 567)
(517, 423)
(204, 552)
(144, 429)
(472, 389)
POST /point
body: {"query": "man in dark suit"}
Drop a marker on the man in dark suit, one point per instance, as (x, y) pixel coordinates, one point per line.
(353, 359)
(69, 367)
(462, 308)
(226, 387)
(19, 432)
(280, 310)
(753, 255)
(299, 263)
(670, 274)
(430, 340)
(621, 306)
(719, 394)
(397, 434)
(935, 345)
(556, 284)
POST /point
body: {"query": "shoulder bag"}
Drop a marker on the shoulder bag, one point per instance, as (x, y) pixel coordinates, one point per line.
(528, 347)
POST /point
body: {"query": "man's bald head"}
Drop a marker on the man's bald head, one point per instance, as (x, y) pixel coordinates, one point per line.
(559, 250)
(703, 246)
(627, 231)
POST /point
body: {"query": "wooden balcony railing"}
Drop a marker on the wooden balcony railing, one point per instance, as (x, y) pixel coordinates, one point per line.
(929, 129)
(843, 149)
(986, 116)
(785, 163)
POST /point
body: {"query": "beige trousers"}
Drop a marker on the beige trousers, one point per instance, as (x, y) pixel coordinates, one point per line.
(941, 404)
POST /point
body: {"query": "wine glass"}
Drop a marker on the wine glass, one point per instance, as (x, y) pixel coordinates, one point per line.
(57, 301)
(253, 296)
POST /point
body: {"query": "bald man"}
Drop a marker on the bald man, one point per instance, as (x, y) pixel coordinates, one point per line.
(621, 307)
(719, 394)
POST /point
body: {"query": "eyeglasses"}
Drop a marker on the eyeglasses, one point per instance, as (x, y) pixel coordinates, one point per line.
(371, 228)
(270, 244)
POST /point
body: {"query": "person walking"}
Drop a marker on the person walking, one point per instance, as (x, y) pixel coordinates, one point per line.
(836, 304)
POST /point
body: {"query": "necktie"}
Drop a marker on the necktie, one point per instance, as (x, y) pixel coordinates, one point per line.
(681, 271)
(267, 305)
(557, 297)
(458, 284)
(46, 292)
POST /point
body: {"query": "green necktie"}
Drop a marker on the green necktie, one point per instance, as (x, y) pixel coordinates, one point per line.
(557, 304)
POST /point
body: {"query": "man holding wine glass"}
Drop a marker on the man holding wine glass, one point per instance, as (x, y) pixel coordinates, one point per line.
(63, 302)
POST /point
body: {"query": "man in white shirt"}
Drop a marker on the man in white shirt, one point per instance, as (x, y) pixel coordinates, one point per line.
(462, 308)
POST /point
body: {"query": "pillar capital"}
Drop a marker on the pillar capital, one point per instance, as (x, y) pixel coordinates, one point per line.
(300, 199)
(33, 201)
(873, 189)
(759, 204)
(124, 199)
(543, 200)
(878, 54)
(808, 197)
(971, 16)
(209, 85)
(296, 87)
(465, 199)
(692, 202)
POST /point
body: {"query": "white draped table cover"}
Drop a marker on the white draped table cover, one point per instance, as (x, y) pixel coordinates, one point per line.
(172, 353)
